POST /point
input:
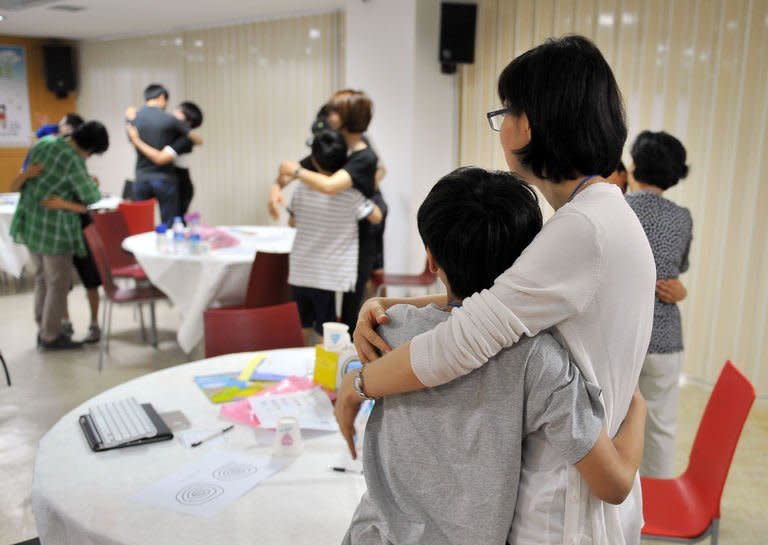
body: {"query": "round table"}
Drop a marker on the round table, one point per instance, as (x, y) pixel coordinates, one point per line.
(194, 283)
(80, 497)
(14, 256)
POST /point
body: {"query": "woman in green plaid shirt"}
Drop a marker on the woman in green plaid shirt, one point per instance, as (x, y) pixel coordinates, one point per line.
(54, 236)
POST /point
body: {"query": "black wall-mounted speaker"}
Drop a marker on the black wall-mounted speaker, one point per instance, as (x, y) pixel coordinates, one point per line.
(457, 35)
(59, 66)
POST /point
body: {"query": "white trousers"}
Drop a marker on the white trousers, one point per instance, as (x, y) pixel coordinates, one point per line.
(659, 385)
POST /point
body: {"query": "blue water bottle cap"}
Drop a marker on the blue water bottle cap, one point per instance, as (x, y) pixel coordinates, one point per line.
(161, 229)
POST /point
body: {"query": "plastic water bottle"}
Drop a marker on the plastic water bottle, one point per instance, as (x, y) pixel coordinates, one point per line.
(178, 235)
(161, 233)
(193, 219)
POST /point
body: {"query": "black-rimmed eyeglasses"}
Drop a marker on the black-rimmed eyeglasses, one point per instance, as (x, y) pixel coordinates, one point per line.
(496, 117)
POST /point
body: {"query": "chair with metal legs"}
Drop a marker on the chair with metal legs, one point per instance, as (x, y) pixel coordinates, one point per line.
(5, 368)
(686, 509)
(145, 293)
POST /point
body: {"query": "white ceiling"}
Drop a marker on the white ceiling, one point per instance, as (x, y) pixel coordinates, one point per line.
(108, 19)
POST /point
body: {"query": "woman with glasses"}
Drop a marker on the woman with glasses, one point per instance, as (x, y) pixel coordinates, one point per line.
(589, 274)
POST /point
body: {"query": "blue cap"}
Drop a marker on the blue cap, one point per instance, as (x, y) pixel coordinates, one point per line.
(160, 229)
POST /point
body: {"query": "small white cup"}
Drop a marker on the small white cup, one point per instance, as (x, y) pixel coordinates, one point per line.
(335, 336)
(287, 437)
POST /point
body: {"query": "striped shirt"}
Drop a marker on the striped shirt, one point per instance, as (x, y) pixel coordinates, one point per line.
(46, 231)
(324, 253)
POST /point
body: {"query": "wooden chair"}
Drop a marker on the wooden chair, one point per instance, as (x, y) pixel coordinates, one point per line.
(230, 330)
(687, 509)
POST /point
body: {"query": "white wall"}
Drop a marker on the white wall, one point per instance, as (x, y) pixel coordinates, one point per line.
(391, 54)
(259, 85)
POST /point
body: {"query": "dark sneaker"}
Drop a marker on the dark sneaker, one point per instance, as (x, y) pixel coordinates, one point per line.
(67, 329)
(62, 342)
(94, 334)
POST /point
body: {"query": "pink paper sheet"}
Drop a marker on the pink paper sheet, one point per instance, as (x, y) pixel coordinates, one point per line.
(217, 238)
(240, 411)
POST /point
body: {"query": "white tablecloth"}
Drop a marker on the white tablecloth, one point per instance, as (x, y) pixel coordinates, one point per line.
(14, 256)
(81, 497)
(194, 283)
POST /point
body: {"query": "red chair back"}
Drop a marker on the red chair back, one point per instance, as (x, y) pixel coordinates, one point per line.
(718, 434)
(113, 230)
(245, 329)
(139, 215)
(268, 281)
(99, 254)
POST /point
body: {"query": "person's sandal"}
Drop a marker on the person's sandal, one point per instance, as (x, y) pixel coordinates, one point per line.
(67, 329)
(94, 334)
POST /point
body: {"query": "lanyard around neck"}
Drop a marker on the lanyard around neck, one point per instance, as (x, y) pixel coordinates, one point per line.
(579, 186)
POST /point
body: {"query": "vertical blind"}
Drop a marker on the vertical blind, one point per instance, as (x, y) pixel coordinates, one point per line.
(695, 69)
(259, 86)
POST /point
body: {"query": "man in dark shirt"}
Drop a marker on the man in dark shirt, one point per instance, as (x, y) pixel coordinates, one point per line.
(158, 129)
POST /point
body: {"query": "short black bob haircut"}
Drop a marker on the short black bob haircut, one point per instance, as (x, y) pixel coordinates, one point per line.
(476, 223)
(192, 113)
(91, 137)
(659, 159)
(329, 150)
(155, 90)
(574, 109)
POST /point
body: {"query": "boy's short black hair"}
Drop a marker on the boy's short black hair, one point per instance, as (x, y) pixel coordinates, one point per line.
(621, 167)
(73, 120)
(659, 159)
(574, 108)
(192, 113)
(155, 90)
(329, 150)
(91, 137)
(321, 120)
(476, 223)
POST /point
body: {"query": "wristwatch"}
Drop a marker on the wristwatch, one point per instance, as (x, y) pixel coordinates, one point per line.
(296, 172)
(359, 385)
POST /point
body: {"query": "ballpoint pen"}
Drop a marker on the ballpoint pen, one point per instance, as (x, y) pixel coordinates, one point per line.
(346, 470)
(213, 435)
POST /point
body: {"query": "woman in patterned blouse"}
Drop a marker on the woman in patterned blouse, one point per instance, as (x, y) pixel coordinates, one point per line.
(659, 163)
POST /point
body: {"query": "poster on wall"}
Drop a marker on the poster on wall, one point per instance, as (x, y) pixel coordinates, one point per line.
(15, 127)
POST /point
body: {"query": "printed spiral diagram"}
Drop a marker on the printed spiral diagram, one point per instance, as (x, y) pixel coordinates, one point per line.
(199, 493)
(234, 471)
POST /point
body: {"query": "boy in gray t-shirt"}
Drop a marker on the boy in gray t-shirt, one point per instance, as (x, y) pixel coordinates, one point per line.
(442, 465)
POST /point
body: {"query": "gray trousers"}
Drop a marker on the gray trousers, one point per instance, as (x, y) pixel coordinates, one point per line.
(659, 385)
(52, 282)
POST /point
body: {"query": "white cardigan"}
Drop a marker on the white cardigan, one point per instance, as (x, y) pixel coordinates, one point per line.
(590, 274)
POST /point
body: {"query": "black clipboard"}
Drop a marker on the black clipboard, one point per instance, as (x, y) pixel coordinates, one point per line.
(94, 441)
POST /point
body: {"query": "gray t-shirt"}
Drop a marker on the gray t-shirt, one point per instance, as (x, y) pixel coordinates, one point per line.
(442, 465)
(158, 129)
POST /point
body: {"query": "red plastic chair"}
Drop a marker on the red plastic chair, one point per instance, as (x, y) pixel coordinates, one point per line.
(139, 215)
(268, 281)
(687, 509)
(230, 330)
(425, 279)
(113, 230)
(145, 293)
